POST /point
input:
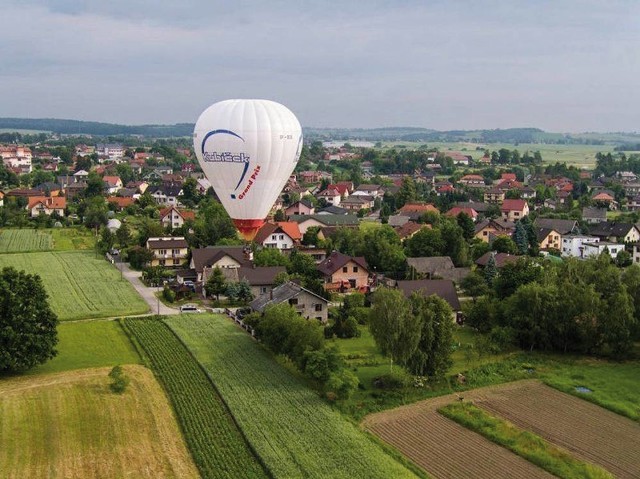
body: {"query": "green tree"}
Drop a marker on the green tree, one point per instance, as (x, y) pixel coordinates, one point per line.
(212, 224)
(491, 270)
(432, 357)
(280, 215)
(216, 283)
(95, 213)
(95, 185)
(139, 256)
(504, 244)
(270, 257)
(520, 238)
(467, 225)
(107, 240)
(392, 325)
(407, 192)
(474, 285)
(190, 194)
(28, 332)
(123, 235)
(426, 242)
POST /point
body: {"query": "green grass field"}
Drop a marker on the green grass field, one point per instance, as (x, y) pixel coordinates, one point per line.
(70, 424)
(72, 239)
(530, 446)
(25, 240)
(89, 344)
(295, 433)
(217, 445)
(79, 284)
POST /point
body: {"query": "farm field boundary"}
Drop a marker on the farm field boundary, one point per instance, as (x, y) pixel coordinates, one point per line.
(24, 240)
(215, 442)
(71, 425)
(444, 448)
(294, 432)
(80, 285)
(589, 432)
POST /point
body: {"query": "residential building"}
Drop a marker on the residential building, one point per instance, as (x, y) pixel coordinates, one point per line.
(443, 288)
(47, 205)
(548, 238)
(408, 229)
(596, 249)
(573, 245)
(513, 210)
(261, 279)
(487, 229)
(456, 210)
(341, 272)
(501, 259)
(175, 218)
(594, 215)
(305, 302)
(436, 267)
(302, 207)
(357, 202)
(112, 184)
(121, 202)
(616, 232)
(331, 196)
(472, 181)
(494, 196)
(166, 195)
(563, 227)
(283, 235)
(204, 259)
(168, 251)
(307, 221)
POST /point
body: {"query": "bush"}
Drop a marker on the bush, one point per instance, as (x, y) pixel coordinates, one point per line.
(342, 384)
(120, 380)
(361, 314)
(320, 364)
(395, 380)
(168, 294)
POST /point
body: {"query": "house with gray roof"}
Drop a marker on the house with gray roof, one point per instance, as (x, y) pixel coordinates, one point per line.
(436, 267)
(594, 215)
(443, 288)
(260, 278)
(305, 302)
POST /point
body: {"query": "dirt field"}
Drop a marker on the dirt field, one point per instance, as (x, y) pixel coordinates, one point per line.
(588, 431)
(445, 449)
(71, 425)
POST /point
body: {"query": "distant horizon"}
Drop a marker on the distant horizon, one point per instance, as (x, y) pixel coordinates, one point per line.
(328, 127)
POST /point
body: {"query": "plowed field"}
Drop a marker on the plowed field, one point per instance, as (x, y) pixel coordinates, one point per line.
(445, 449)
(588, 431)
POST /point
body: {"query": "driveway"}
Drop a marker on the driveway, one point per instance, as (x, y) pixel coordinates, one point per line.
(148, 294)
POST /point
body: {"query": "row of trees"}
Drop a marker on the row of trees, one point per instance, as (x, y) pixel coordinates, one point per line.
(588, 306)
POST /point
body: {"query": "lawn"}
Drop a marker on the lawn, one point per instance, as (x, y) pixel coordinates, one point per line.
(71, 239)
(89, 344)
(71, 425)
(79, 284)
(293, 431)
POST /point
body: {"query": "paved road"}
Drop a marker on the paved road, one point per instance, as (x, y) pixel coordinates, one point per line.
(147, 293)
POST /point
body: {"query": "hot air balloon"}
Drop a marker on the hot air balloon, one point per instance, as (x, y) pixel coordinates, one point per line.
(247, 149)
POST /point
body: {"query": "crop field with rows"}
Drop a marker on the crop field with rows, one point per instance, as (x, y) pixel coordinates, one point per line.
(21, 241)
(79, 284)
(216, 444)
(295, 433)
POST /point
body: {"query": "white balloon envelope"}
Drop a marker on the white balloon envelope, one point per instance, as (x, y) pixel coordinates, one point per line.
(247, 150)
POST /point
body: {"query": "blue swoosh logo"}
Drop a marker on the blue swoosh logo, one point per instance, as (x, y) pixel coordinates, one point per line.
(226, 132)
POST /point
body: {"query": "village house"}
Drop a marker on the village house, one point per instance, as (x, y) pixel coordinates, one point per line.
(357, 202)
(330, 195)
(307, 221)
(494, 196)
(283, 235)
(47, 205)
(513, 210)
(166, 195)
(573, 245)
(307, 304)
(605, 198)
(548, 238)
(205, 259)
(456, 210)
(342, 272)
(173, 217)
(120, 202)
(436, 267)
(168, 251)
(443, 288)
(112, 184)
(596, 249)
(409, 229)
(488, 229)
(302, 207)
(261, 279)
(616, 232)
(472, 181)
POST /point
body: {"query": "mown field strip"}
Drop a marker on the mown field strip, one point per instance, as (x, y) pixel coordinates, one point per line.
(79, 284)
(71, 425)
(294, 432)
(588, 431)
(445, 449)
(216, 443)
(23, 240)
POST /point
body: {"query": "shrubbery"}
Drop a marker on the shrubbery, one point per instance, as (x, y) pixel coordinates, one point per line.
(119, 380)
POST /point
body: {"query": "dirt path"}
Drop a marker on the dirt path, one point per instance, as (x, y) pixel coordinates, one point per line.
(588, 431)
(147, 293)
(445, 449)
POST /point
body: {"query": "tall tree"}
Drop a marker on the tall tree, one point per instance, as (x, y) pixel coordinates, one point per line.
(393, 326)
(520, 238)
(28, 332)
(216, 283)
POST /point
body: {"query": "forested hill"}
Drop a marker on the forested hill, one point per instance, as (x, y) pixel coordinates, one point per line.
(77, 127)
(508, 135)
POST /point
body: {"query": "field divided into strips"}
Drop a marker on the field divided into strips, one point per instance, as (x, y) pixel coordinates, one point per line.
(25, 240)
(588, 431)
(216, 444)
(70, 424)
(79, 284)
(294, 432)
(445, 449)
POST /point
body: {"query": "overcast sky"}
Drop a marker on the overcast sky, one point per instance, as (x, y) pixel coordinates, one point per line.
(565, 66)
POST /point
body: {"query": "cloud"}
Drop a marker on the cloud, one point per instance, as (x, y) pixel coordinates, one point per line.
(558, 65)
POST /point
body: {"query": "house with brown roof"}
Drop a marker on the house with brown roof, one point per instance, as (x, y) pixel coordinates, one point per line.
(330, 195)
(494, 196)
(487, 229)
(120, 202)
(408, 229)
(443, 288)
(302, 207)
(204, 259)
(513, 210)
(47, 205)
(261, 279)
(168, 251)
(605, 198)
(283, 235)
(112, 184)
(342, 272)
(357, 202)
(472, 181)
(417, 208)
(501, 259)
(175, 218)
(456, 210)
(436, 267)
(548, 238)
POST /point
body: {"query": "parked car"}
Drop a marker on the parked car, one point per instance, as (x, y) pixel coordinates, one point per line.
(189, 308)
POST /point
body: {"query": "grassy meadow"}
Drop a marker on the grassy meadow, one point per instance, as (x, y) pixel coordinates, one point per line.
(50, 239)
(71, 425)
(79, 284)
(89, 344)
(292, 430)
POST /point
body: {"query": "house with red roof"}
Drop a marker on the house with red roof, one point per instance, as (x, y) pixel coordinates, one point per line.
(112, 184)
(175, 218)
(472, 181)
(121, 202)
(343, 187)
(283, 235)
(331, 195)
(342, 272)
(46, 205)
(456, 210)
(513, 210)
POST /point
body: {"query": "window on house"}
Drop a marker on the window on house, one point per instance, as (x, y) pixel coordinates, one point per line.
(176, 261)
(355, 269)
(516, 214)
(263, 289)
(319, 307)
(293, 301)
(281, 237)
(345, 269)
(274, 237)
(162, 262)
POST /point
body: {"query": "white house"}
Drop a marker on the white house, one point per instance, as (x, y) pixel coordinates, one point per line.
(596, 249)
(573, 245)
